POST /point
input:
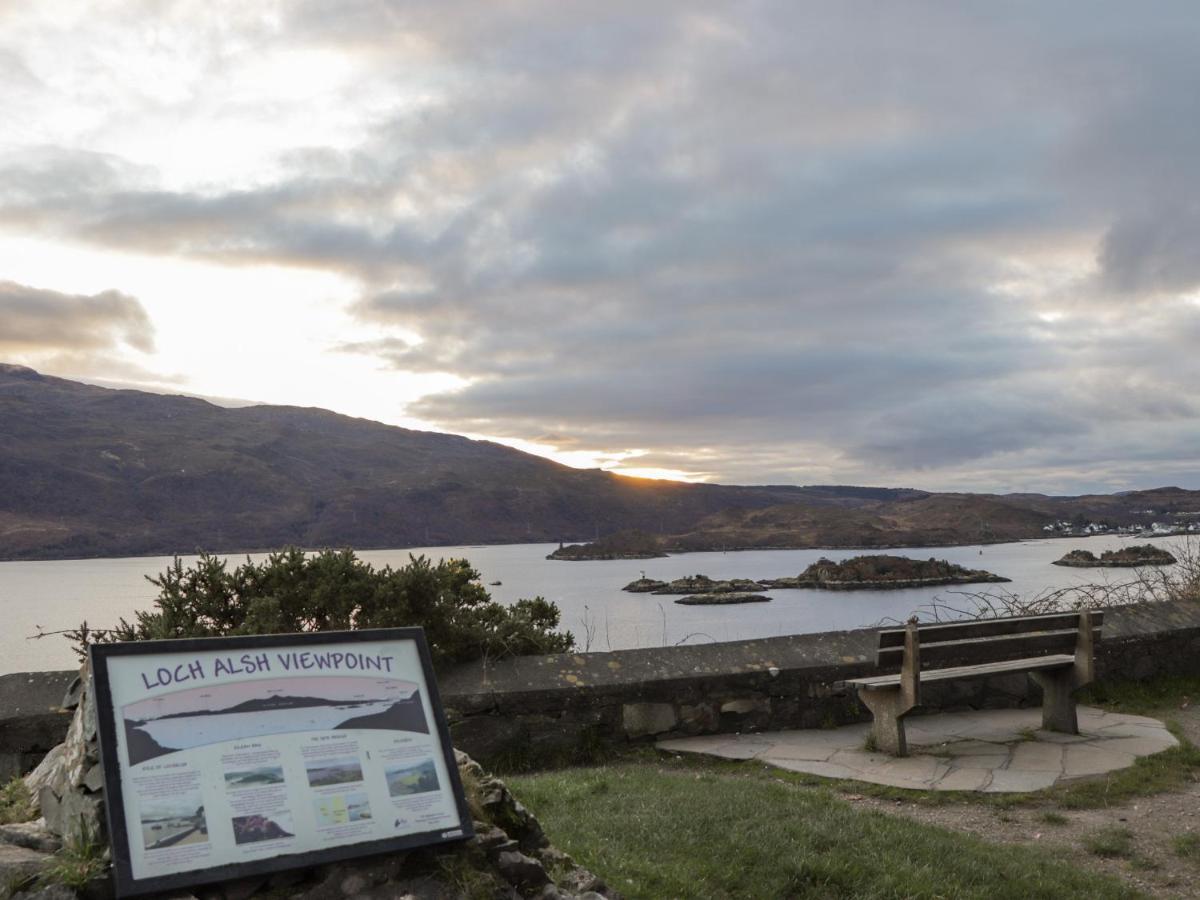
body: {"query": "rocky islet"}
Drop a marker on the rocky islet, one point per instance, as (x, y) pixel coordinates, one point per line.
(878, 572)
(1125, 558)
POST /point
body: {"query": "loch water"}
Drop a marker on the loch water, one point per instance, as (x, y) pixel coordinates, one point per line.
(59, 594)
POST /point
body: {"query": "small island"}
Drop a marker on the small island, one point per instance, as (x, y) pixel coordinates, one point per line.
(695, 584)
(644, 585)
(1125, 558)
(882, 572)
(714, 599)
(879, 572)
(631, 544)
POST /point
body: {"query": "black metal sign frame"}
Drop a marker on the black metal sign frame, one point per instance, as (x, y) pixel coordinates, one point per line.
(114, 769)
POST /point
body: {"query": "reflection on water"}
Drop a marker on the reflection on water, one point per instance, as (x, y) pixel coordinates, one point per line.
(60, 594)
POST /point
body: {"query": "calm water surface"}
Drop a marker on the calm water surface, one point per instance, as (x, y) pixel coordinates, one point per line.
(60, 594)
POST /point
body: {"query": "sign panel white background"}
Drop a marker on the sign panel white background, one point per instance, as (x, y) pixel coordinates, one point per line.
(232, 756)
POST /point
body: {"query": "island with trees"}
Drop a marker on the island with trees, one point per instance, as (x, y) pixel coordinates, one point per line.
(882, 572)
(878, 572)
(629, 544)
(1125, 558)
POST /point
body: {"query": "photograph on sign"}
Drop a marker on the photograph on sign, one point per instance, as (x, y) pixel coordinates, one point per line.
(227, 756)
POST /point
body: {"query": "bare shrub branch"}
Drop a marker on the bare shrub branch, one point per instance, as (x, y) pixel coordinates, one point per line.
(1147, 584)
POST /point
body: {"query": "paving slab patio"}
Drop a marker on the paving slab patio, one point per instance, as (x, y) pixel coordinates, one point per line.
(990, 751)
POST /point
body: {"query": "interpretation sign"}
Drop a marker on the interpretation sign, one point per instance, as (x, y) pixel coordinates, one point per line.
(227, 757)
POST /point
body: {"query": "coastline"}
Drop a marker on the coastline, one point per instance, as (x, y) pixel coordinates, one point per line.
(263, 551)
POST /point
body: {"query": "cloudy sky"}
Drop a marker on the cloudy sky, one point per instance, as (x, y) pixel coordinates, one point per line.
(950, 246)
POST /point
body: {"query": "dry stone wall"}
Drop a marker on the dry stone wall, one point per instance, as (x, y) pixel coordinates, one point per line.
(32, 719)
(574, 706)
(571, 706)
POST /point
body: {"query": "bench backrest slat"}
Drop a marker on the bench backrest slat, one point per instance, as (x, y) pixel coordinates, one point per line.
(990, 648)
(990, 640)
(953, 631)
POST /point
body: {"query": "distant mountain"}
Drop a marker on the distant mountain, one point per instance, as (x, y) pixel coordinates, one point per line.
(90, 471)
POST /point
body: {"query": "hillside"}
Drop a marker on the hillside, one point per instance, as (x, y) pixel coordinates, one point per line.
(925, 520)
(89, 471)
(918, 519)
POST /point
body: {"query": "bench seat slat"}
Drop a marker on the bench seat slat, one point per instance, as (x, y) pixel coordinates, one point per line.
(948, 631)
(954, 673)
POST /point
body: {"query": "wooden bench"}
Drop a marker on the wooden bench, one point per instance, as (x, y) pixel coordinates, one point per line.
(1057, 650)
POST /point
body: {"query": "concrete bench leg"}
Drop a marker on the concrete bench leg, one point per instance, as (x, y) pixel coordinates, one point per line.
(889, 710)
(1058, 706)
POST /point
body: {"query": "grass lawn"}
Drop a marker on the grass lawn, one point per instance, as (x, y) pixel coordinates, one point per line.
(656, 831)
(657, 825)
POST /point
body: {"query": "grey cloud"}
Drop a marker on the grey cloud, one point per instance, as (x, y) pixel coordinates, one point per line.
(323, 218)
(1154, 252)
(760, 241)
(35, 319)
(958, 426)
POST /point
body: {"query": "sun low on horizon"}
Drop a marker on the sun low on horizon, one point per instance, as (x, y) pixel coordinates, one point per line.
(945, 247)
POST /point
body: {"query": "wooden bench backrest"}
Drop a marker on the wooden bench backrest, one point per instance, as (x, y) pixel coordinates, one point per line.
(992, 640)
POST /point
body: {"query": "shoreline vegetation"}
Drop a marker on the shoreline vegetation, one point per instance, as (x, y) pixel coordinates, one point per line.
(877, 572)
(642, 545)
(264, 551)
(1125, 558)
(635, 545)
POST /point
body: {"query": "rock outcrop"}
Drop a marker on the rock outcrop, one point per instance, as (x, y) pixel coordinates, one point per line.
(644, 585)
(69, 782)
(702, 584)
(1125, 558)
(721, 599)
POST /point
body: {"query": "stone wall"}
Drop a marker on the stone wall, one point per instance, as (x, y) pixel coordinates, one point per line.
(567, 706)
(570, 706)
(32, 719)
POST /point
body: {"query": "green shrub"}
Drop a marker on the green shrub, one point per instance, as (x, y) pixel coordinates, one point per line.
(293, 591)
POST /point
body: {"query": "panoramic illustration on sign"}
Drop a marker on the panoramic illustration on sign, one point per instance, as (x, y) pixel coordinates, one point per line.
(249, 751)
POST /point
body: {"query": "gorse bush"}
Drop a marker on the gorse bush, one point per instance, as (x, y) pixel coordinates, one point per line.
(333, 590)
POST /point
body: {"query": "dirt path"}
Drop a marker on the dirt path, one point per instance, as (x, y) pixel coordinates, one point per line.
(1151, 864)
